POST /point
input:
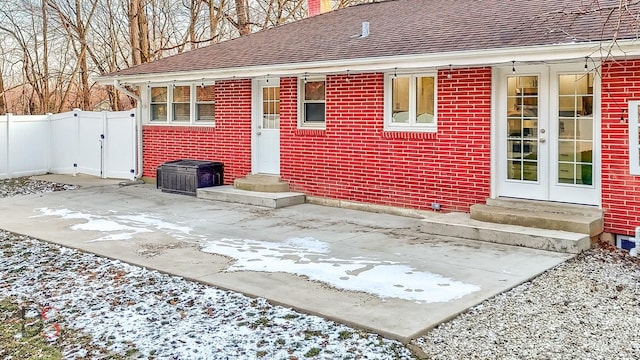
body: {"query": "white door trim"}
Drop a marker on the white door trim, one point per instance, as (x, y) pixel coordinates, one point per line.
(549, 109)
(562, 192)
(256, 120)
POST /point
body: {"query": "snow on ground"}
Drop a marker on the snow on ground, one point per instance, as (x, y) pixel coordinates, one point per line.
(146, 314)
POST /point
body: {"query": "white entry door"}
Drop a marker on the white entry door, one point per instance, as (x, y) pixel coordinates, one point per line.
(548, 134)
(266, 124)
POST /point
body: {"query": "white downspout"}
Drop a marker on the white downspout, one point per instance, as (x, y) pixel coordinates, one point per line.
(139, 165)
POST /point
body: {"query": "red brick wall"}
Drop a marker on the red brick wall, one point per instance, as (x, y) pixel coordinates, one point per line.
(620, 190)
(354, 159)
(229, 141)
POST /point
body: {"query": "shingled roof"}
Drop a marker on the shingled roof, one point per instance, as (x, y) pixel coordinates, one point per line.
(410, 27)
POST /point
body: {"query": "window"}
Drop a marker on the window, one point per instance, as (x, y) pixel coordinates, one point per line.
(182, 104)
(410, 102)
(205, 103)
(312, 103)
(634, 137)
(159, 104)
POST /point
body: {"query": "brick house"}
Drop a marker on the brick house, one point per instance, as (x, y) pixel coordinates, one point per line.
(409, 103)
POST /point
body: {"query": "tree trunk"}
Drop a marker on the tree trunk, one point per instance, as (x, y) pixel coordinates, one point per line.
(214, 19)
(3, 103)
(242, 18)
(46, 101)
(138, 32)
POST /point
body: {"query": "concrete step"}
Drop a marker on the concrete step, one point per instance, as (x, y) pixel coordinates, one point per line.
(563, 217)
(463, 226)
(546, 206)
(261, 183)
(273, 200)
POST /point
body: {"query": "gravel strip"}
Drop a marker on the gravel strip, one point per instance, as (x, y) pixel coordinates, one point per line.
(27, 186)
(586, 308)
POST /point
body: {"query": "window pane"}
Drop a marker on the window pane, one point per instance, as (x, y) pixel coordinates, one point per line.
(158, 94)
(271, 100)
(206, 112)
(425, 100)
(314, 90)
(205, 94)
(271, 107)
(158, 112)
(181, 112)
(181, 94)
(400, 100)
(314, 111)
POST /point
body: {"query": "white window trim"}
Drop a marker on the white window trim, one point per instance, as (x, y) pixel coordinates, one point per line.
(192, 105)
(411, 126)
(313, 124)
(195, 103)
(634, 147)
(166, 102)
(190, 102)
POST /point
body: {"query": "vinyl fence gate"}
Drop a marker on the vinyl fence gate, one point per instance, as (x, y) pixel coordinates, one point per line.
(95, 143)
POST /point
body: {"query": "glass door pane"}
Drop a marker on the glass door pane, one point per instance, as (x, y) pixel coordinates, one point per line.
(271, 107)
(522, 128)
(575, 129)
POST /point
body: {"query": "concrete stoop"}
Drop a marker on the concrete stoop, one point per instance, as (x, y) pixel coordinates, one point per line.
(461, 225)
(273, 200)
(261, 183)
(536, 214)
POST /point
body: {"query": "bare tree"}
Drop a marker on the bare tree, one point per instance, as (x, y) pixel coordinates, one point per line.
(242, 18)
(138, 32)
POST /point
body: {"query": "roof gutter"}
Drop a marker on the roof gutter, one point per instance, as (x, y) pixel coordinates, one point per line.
(138, 171)
(491, 57)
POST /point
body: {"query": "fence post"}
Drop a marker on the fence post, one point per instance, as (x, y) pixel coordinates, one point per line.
(135, 136)
(76, 138)
(50, 141)
(104, 140)
(9, 116)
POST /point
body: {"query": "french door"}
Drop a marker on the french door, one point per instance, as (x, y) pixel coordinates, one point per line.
(548, 134)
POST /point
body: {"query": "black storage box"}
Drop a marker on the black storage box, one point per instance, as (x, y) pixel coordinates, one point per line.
(186, 176)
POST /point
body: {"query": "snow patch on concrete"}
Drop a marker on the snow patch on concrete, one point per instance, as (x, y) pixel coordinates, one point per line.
(312, 258)
(118, 227)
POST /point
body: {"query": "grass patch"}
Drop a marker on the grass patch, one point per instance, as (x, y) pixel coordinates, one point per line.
(308, 334)
(345, 335)
(312, 352)
(260, 322)
(23, 339)
(19, 345)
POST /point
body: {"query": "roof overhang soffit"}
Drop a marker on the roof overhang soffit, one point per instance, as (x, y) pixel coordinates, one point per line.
(492, 57)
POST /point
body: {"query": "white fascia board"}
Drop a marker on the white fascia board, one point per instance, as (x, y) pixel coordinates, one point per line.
(490, 57)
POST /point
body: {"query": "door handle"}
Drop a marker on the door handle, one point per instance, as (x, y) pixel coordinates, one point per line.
(259, 133)
(542, 140)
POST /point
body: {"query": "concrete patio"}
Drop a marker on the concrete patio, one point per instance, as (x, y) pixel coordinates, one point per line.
(307, 243)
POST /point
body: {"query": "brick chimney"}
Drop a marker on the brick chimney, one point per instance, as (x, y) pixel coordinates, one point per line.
(318, 7)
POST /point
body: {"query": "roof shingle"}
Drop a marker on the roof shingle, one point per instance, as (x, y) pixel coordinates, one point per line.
(407, 27)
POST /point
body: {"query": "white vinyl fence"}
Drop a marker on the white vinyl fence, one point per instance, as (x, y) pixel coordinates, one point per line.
(96, 143)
